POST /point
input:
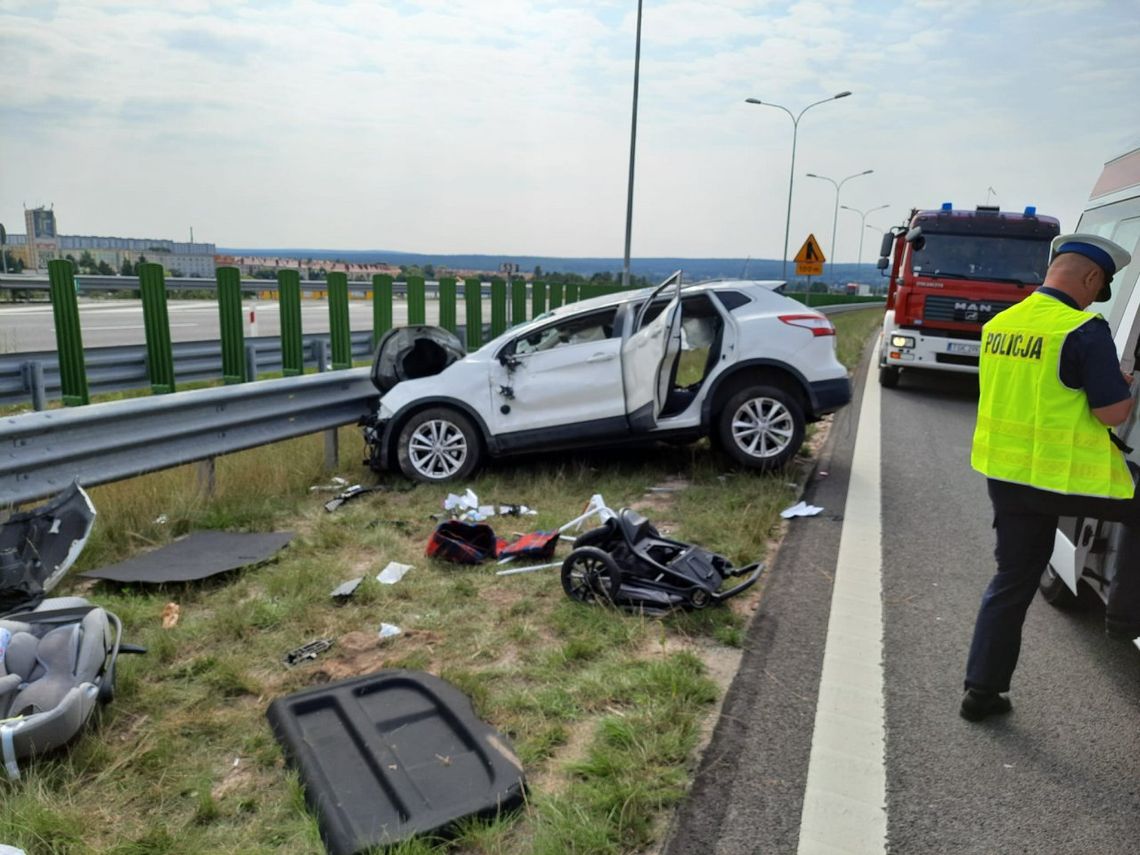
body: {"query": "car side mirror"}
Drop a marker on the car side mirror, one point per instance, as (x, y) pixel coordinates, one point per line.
(883, 263)
(887, 244)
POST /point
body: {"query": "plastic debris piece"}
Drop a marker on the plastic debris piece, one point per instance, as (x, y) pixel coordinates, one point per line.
(467, 502)
(308, 651)
(517, 511)
(161, 519)
(513, 571)
(393, 573)
(346, 589)
(800, 509)
(170, 615)
(596, 506)
(337, 483)
(389, 630)
(353, 492)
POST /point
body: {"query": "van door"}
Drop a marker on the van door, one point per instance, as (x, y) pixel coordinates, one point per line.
(648, 353)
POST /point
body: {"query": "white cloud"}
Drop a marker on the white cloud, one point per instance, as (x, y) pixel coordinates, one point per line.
(463, 125)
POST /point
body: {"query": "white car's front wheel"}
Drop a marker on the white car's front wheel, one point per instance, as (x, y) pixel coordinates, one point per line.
(438, 445)
(761, 427)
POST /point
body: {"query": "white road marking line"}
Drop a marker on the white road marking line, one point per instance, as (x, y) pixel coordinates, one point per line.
(132, 327)
(845, 798)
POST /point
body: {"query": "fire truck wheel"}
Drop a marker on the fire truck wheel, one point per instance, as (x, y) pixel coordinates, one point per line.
(1055, 592)
(888, 376)
(761, 427)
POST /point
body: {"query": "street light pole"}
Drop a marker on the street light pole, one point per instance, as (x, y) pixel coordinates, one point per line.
(862, 229)
(792, 172)
(632, 151)
(835, 216)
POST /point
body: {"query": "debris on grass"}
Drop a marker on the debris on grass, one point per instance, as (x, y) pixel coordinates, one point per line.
(170, 615)
(308, 651)
(393, 573)
(800, 509)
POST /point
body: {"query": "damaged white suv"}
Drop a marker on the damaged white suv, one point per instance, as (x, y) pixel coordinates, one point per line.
(732, 360)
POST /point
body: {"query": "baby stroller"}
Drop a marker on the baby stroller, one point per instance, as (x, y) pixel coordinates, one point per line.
(627, 563)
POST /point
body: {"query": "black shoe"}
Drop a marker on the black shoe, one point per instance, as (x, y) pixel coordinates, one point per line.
(1121, 630)
(977, 705)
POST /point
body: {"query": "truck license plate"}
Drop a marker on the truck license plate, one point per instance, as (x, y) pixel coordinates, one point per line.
(968, 349)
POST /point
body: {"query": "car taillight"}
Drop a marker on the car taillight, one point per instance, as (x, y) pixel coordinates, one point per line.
(818, 324)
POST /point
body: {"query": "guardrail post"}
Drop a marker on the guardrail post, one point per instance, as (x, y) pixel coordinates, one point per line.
(159, 354)
(473, 297)
(34, 380)
(207, 477)
(321, 354)
(381, 306)
(68, 337)
(537, 298)
(232, 323)
(555, 294)
(498, 307)
(518, 302)
(447, 303)
(340, 336)
(571, 293)
(292, 357)
(332, 449)
(417, 308)
(251, 360)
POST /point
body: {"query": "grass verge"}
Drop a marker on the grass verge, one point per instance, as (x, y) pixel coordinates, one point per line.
(604, 708)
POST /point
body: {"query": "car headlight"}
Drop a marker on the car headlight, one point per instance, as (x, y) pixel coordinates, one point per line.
(902, 341)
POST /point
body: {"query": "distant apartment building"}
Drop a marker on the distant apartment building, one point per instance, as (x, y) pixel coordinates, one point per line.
(43, 242)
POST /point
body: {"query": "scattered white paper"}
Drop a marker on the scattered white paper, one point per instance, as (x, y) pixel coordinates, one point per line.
(801, 509)
(389, 630)
(517, 510)
(468, 501)
(393, 573)
(161, 519)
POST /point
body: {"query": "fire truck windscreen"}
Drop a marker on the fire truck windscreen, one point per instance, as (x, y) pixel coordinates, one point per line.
(1020, 261)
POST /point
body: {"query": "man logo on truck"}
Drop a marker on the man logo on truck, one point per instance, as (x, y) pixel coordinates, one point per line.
(1017, 345)
(973, 311)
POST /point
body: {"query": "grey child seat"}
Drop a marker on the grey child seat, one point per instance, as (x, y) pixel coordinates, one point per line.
(57, 662)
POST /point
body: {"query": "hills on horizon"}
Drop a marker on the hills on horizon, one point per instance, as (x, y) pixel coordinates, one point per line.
(652, 268)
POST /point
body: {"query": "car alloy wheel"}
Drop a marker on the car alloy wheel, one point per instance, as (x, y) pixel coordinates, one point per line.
(437, 449)
(437, 445)
(761, 427)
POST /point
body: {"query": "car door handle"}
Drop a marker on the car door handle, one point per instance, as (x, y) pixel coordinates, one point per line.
(601, 357)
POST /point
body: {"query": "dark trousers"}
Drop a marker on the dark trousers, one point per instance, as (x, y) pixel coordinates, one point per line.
(1025, 519)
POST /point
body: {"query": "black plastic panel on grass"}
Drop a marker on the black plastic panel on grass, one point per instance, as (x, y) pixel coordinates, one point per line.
(389, 755)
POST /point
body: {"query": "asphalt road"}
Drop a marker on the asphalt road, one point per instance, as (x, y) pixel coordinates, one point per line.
(31, 326)
(1060, 774)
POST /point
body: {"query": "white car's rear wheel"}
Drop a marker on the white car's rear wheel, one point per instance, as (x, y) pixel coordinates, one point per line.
(761, 427)
(438, 445)
(1055, 592)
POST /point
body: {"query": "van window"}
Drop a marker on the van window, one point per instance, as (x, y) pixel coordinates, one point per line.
(1119, 223)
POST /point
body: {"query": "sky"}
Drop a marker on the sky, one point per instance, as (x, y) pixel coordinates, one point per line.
(503, 126)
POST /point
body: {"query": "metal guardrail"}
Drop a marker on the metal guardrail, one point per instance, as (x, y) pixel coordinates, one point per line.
(41, 453)
(35, 375)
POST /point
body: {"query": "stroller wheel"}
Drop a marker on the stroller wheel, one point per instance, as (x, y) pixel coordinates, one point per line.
(589, 574)
(699, 598)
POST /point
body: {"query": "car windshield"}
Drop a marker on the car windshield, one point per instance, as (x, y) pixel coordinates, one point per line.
(995, 259)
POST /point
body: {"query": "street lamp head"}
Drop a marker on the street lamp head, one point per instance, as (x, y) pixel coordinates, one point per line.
(812, 175)
(753, 101)
(848, 208)
(840, 95)
(866, 172)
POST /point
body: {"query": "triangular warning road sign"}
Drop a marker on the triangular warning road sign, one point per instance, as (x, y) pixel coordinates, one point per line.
(810, 253)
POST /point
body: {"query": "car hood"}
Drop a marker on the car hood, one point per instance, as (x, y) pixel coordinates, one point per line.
(407, 353)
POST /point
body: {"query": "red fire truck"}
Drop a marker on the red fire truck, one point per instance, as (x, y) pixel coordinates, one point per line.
(950, 272)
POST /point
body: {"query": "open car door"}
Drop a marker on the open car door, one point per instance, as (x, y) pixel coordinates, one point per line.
(647, 355)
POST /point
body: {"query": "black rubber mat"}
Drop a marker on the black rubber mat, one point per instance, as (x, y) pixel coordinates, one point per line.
(393, 754)
(196, 556)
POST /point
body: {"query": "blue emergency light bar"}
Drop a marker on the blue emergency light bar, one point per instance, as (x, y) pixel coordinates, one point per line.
(1031, 210)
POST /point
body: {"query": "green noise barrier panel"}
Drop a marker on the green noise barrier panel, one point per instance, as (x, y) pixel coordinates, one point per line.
(232, 324)
(68, 338)
(447, 303)
(537, 298)
(340, 337)
(555, 294)
(498, 307)
(381, 305)
(417, 302)
(156, 319)
(571, 293)
(289, 291)
(518, 302)
(473, 298)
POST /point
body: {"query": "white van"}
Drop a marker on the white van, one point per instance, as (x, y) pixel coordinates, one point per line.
(1086, 550)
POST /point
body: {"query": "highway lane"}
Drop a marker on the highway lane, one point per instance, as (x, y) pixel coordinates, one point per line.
(30, 326)
(1060, 774)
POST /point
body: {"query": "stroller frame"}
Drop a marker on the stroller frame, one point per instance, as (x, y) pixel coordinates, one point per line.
(626, 562)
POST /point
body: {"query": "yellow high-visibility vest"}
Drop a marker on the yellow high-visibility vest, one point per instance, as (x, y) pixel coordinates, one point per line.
(1033, 429)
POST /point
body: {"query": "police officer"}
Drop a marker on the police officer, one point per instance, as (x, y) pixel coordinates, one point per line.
(1051, 389)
